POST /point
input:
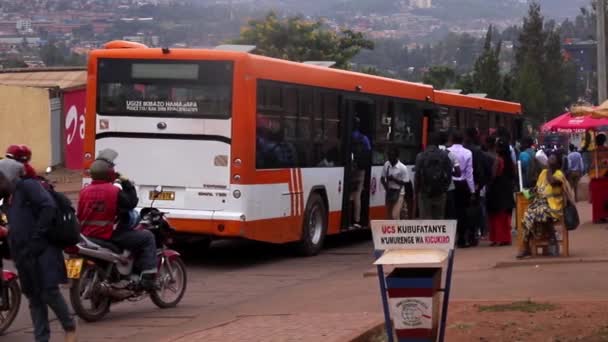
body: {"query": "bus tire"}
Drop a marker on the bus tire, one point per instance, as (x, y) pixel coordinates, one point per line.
(314, 227)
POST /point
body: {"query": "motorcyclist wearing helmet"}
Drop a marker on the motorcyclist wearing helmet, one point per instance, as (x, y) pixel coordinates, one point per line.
(104, 211)
(22, 154)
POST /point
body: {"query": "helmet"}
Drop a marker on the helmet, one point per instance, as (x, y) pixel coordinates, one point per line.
(20, 153)
(101, 170)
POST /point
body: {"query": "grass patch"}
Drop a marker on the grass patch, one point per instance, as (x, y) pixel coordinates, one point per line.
(527, 306)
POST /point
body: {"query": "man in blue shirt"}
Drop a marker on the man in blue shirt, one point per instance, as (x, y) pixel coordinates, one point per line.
(528, 164)
(575, 169)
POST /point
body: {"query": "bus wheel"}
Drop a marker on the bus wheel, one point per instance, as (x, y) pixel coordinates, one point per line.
(314, 227)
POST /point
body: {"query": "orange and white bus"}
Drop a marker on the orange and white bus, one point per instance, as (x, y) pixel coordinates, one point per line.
(246, 146)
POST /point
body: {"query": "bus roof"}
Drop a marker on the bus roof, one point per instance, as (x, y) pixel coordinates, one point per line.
(444, 98)
(313, 75)
(285, 71)
(308, 74)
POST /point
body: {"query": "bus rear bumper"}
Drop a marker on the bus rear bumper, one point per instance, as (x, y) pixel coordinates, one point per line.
(205, 222)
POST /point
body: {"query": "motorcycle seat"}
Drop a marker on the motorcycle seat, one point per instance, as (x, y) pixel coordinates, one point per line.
(107, 245)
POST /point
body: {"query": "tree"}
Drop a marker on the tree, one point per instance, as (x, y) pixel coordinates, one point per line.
(297, 39)
(440, 77)
(539, 75)
(554, 74)
(531, 40)
(486, 72)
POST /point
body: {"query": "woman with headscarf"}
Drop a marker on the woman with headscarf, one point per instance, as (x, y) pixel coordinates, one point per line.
(31, 211)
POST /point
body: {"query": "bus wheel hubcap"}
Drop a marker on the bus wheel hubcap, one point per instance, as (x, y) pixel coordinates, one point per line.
(315, 225)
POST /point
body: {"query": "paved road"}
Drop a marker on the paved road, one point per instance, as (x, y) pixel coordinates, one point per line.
(234, 274)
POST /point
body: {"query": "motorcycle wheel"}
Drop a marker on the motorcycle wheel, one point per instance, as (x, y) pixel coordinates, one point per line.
(14, 298)
(89, 281)
(173, 283)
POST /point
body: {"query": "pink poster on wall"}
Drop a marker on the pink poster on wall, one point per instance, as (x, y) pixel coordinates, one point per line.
(74, 109)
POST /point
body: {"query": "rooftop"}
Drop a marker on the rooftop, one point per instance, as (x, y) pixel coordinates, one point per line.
(62, 78)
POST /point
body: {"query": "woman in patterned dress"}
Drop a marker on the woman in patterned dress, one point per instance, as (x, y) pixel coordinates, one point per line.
(547, 207)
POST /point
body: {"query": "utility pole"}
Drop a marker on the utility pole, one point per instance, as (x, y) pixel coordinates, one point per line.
(601, 52)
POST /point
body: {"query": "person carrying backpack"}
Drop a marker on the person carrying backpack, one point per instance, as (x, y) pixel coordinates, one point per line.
(432, 180)
(32, 213)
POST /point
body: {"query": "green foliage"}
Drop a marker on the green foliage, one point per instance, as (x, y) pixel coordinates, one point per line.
(440, 77)
(371, 70)
(58, 54)
(486, 72)
(297, 39)
(12, 63)
(541, 76)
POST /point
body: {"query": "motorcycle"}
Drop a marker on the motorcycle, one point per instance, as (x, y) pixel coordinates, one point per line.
(102, 273)
(10, 291)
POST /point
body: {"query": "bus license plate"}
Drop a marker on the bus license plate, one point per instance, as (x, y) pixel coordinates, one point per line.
(74, 266)
(163, 196)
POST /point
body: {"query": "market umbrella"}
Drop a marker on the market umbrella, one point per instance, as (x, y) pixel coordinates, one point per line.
(570, 123)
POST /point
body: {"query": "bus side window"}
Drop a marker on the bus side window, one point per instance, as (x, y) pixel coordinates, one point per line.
(383, 130)
(407, 130)
(331, 136)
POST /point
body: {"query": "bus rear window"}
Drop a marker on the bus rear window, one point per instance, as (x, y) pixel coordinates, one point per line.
(165, 88)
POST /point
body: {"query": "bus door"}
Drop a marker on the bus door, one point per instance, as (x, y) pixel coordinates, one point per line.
(358, 118)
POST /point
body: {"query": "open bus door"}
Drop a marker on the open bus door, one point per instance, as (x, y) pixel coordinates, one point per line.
(356, 111)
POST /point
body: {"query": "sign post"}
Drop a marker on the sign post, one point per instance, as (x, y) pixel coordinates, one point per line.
(419, 251)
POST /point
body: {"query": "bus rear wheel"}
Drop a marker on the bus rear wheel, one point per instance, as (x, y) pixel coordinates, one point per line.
(314, 227)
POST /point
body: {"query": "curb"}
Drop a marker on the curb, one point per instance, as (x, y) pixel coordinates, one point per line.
(549, 261)
(368, 333)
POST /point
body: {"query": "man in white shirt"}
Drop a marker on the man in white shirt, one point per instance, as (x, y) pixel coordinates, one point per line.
(395, 179)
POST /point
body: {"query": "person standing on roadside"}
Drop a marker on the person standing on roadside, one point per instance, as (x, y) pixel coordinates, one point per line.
(575, 169)
(465, 190)
(529, 166)
(500, 202)
(41, 267)
(395, 180)
(432, 179)
(482, 173)
(450, 210)
(362, 155)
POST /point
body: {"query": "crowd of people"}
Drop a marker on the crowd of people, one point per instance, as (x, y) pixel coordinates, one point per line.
(458, 177)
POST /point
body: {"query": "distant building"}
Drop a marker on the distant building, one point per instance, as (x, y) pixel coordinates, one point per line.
(582, 53)
(23, 25)
(421, 3)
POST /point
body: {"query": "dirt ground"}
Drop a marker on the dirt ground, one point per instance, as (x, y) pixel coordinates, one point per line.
(526, 321)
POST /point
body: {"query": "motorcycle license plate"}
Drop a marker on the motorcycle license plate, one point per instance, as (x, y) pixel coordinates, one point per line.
(74, 266)
(162, 196)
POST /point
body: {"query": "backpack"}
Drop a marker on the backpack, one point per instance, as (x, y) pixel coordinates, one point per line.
(65, 231)
(361, 154)
(436, 174)
(482, 166)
